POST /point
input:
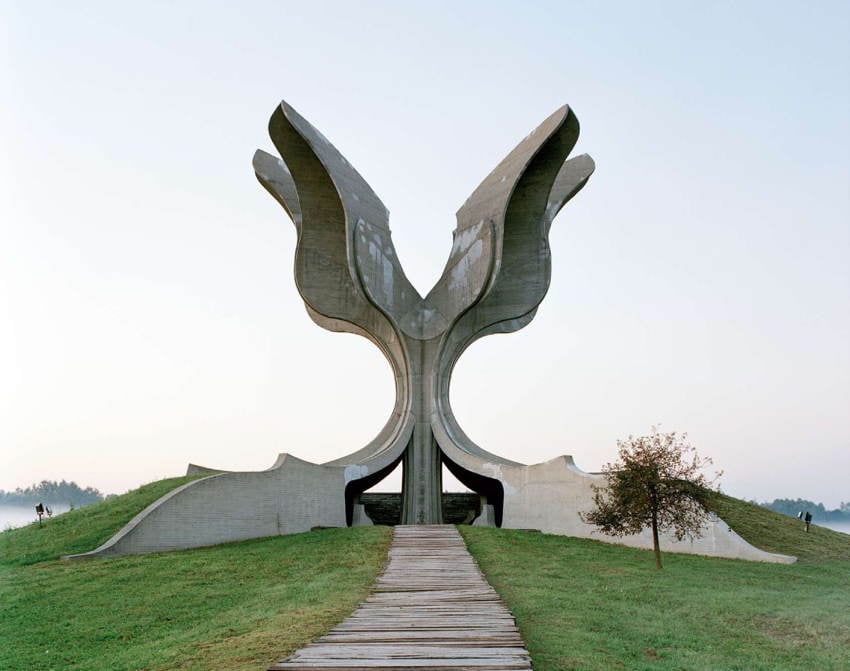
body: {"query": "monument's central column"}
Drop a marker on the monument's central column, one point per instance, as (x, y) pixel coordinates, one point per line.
(422, 482)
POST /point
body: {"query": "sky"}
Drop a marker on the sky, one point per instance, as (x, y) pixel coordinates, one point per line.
(700, 282)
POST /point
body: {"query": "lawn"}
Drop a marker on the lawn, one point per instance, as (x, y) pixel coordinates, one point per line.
(82, 529)
(233, 607)
(582, 604)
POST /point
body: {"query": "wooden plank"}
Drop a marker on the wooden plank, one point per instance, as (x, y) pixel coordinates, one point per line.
(445, 636)
(408, 650)
(431, 608)
(418, 665)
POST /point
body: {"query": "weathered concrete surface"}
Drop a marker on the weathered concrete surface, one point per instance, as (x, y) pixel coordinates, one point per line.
(294, 496)
(550, 497)
(290, 497)
(350, 278)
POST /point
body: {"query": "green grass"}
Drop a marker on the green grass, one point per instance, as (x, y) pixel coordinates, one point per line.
(773, 532)
(580, 604)
(82, 529)
(233, 607)
(583, 604)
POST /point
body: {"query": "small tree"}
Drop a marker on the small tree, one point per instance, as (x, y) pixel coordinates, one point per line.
(655, 482)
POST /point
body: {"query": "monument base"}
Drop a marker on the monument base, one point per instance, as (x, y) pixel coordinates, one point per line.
(295, 496)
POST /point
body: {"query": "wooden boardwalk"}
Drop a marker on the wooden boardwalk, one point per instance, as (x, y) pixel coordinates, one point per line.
(431, 610)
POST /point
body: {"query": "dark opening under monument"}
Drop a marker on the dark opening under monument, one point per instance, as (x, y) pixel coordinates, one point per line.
(350, 278)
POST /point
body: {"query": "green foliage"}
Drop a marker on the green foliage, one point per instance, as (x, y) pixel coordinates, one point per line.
(655, 482)
(80, 530)
(235, 607)
(582, 604)
(51, 492)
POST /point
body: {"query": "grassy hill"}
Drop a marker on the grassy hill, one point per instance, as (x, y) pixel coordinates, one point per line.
(580, 604)
(235, 607)
(82, 529)
(774, 532)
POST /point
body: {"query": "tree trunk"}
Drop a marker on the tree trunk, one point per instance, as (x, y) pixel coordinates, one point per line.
(655, 546)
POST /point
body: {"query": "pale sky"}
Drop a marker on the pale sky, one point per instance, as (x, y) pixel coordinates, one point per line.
(701, 281)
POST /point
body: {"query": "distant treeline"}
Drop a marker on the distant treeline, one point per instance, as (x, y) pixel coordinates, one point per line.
(793, 506)
(51, 492)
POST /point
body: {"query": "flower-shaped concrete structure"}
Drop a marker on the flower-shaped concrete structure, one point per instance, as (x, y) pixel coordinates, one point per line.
(350, 278)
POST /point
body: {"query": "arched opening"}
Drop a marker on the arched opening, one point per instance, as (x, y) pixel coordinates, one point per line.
(489, 489)
(460, 505)
(355, 489)
(382, 504)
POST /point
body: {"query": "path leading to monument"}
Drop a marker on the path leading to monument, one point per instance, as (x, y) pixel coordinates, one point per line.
(431, 608)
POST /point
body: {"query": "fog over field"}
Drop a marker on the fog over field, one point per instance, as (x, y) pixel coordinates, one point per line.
(18, 516)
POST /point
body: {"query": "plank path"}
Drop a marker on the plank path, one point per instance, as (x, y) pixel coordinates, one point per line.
(431, 609)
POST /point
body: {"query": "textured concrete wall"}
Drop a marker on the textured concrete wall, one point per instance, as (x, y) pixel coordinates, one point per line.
(550, 497)
(292, 497)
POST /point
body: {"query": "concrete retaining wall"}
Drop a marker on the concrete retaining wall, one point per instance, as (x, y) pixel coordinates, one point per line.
(550, 496)
(292, 497)
(295, 496)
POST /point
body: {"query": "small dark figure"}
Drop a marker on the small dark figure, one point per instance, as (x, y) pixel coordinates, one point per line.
(39, 510)
(808, 519)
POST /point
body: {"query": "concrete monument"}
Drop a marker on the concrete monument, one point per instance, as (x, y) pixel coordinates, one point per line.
(350, 279)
